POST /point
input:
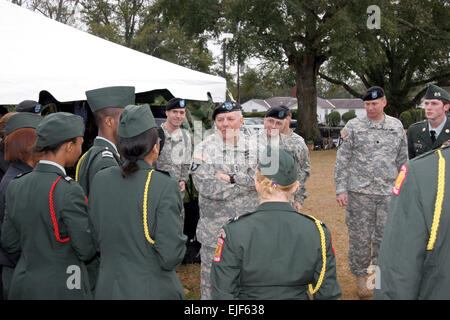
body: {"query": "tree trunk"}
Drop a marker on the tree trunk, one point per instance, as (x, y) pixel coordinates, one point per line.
(306, 76)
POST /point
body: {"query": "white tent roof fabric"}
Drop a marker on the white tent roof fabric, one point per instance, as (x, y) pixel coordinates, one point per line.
(38, 53)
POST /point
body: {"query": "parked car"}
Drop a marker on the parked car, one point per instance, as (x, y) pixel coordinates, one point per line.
(254, 124)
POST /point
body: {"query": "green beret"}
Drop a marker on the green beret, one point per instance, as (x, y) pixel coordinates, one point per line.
(110, 97)
(227, 106)
(434, 92)
(58, 127)
(22, 120)
(278, 165)
(278, 112)
(134, 120)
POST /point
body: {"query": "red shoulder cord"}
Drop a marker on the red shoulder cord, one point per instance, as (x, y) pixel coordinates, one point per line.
(52, 213)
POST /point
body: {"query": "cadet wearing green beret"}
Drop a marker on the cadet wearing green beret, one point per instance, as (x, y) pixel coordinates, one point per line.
(46, 218)
(414, 259)
(275, 252)
(430, 134)
(136, 211)
(106, 104)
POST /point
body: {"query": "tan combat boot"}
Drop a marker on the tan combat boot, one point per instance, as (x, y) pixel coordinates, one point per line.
(361, 288)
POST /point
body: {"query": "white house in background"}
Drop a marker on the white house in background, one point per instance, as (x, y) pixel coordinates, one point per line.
(324, 106)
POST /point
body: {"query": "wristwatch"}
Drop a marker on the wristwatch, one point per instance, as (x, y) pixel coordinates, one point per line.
(232, 178)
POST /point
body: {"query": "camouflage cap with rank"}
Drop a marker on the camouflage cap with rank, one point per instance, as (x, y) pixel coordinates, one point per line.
(373, 93)
(435, 92)
(110, 97)
(227, 106)
(278, 112)
(279, 165)
(58, 127)
(22, 120)
(134, 120)
(176, 103)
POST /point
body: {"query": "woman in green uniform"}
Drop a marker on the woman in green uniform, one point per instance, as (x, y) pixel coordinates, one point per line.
(136, 211)
(275, 252)
(46, 218)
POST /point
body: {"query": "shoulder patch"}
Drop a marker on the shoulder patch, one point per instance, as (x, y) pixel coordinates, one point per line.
(400, 179)
(344, 133)
(218, 252)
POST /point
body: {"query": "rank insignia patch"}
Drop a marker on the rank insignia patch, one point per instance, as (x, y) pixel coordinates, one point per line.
(400, 179)
(218, 253)
(344, 134)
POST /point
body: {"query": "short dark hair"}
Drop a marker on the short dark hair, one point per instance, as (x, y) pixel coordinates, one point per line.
(101, 114)
(19, 145)
(53, 148)
(136, 148)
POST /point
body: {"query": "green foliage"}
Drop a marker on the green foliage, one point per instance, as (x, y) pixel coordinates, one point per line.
(348, 116)
(333, 119)
(410, 116)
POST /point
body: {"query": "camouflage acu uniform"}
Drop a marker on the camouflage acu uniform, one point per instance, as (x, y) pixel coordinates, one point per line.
(367, 165)
(175, 157)
(220, 201)
(297, 146)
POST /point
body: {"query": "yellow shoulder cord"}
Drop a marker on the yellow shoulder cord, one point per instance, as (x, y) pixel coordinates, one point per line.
(78, 165)
(324, 258)
(439, 201)
(144, 208)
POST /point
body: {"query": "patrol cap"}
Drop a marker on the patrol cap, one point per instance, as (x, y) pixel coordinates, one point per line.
(175, 103)
(29, 106)
(58, 127)
(435, 92)
(286, 172)
(134, 120)
(110, 97)
(373, 93)
(22, 120)
(227, 106)
(278, 112)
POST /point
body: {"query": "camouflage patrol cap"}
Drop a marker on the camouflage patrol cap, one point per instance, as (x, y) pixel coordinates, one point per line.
(435, 92)
(176, 103)
(110, 97)
(134, 120)
(22, 120)
(58, 127)
(277, 112)
(227, 106)
(373, 93)
(279, 165)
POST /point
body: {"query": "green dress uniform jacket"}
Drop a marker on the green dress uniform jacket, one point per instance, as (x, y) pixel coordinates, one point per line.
(272, 253)
(419, 139)
(407, 270)
(52, 245)
(101, 155)
(130, 266)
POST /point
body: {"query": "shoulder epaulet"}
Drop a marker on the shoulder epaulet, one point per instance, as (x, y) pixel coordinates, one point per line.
(312, 218)
(240, 216)
(426, 154)
(20, 175)
(418, 123)
(107, 153)
(164, 172)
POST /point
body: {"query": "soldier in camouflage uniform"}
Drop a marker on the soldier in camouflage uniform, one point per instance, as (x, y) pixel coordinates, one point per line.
(274, 133)
(223, 172)
(373, 150)
(175, 157)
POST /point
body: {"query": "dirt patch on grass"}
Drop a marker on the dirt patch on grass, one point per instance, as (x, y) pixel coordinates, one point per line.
(321, 203)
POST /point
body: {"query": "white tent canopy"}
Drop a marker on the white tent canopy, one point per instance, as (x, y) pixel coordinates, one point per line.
(38, 53)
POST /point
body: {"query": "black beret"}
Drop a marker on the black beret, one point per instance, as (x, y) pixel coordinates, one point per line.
(373, 93)
(227, 106)
(176, 103)
(29, 106)
(278, 112)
